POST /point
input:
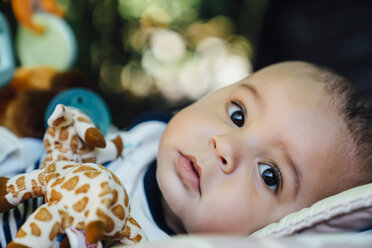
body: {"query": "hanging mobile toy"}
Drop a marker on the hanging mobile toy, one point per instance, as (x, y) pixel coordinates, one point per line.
(43, 38)
(23, 11)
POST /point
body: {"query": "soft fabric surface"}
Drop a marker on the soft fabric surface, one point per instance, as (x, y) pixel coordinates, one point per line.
(348, 211)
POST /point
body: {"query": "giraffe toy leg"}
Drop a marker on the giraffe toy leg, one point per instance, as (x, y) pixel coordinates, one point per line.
(113, 149)
(131, 233)
(98, 221)
(15, 190)
(40, 229)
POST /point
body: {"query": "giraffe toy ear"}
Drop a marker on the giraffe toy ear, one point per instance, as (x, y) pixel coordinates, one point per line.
(61, 117)
(86, 130)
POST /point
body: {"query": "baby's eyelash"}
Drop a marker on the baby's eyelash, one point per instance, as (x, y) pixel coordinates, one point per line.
(240, 105)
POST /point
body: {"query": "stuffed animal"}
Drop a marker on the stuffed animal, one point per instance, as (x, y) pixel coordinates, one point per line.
(84, 196)
(71, 136)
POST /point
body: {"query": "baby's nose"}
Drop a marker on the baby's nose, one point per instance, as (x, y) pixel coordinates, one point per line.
(225, 152)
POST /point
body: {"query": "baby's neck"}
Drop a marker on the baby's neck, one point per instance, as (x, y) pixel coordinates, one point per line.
(171, 219)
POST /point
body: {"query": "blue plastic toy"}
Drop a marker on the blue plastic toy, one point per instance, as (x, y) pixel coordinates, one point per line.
(6, 52)
(85, 100)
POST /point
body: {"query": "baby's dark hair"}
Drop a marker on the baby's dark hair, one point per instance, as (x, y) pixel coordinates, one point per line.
(355, 109)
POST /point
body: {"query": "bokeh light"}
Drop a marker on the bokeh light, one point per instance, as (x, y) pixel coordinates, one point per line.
(160, 47)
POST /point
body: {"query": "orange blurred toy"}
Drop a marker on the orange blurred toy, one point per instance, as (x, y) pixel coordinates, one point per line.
(23, 10)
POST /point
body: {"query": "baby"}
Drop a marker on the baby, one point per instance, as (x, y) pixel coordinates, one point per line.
(275, 142)
(246, 155)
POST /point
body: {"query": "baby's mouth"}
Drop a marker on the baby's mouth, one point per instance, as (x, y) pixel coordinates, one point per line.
(189, 171)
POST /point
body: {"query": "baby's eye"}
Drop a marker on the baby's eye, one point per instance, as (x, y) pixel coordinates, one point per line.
(270, 175)
(236, 114)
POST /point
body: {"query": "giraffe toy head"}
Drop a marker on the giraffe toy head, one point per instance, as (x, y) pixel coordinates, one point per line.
(84, 196)
(72, 136)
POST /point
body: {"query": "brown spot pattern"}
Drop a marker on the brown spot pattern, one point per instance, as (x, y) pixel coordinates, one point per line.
(51, 168)
(63, 134)
(58, 121)
(51, 131)
(83, 119)
(92, 174)
(84, 168)
(118, 211)
(137, 238)
(47, 144)
(20, 183)
(51, 176)
(80, 205)
(126, 200)
(27, 195)
(21, 233)
(74, 143)
(67, 220)
(38, 191)
(116, 179)
(71, 183)
(53, 233)
(109, 223)
(43, 214)
(55, 196)
(89, 160)
(11, 190)
(134, 222)
(105, 189)
(58, 181)
(83, 189)
(68, 166)
(41, 178)
(115, 196)
(35, 230)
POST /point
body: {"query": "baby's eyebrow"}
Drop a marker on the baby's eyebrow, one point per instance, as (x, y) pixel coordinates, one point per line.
(252, 89)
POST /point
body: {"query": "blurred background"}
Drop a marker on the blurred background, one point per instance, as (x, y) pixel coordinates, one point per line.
(143, 55)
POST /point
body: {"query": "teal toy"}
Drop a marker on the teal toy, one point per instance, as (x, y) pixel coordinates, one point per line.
(6, 53)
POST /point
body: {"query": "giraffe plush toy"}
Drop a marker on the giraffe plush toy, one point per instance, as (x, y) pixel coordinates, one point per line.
(78, 194)
(72, 136)
(83, 196)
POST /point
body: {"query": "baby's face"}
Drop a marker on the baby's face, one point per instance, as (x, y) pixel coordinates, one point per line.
(248, 154)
